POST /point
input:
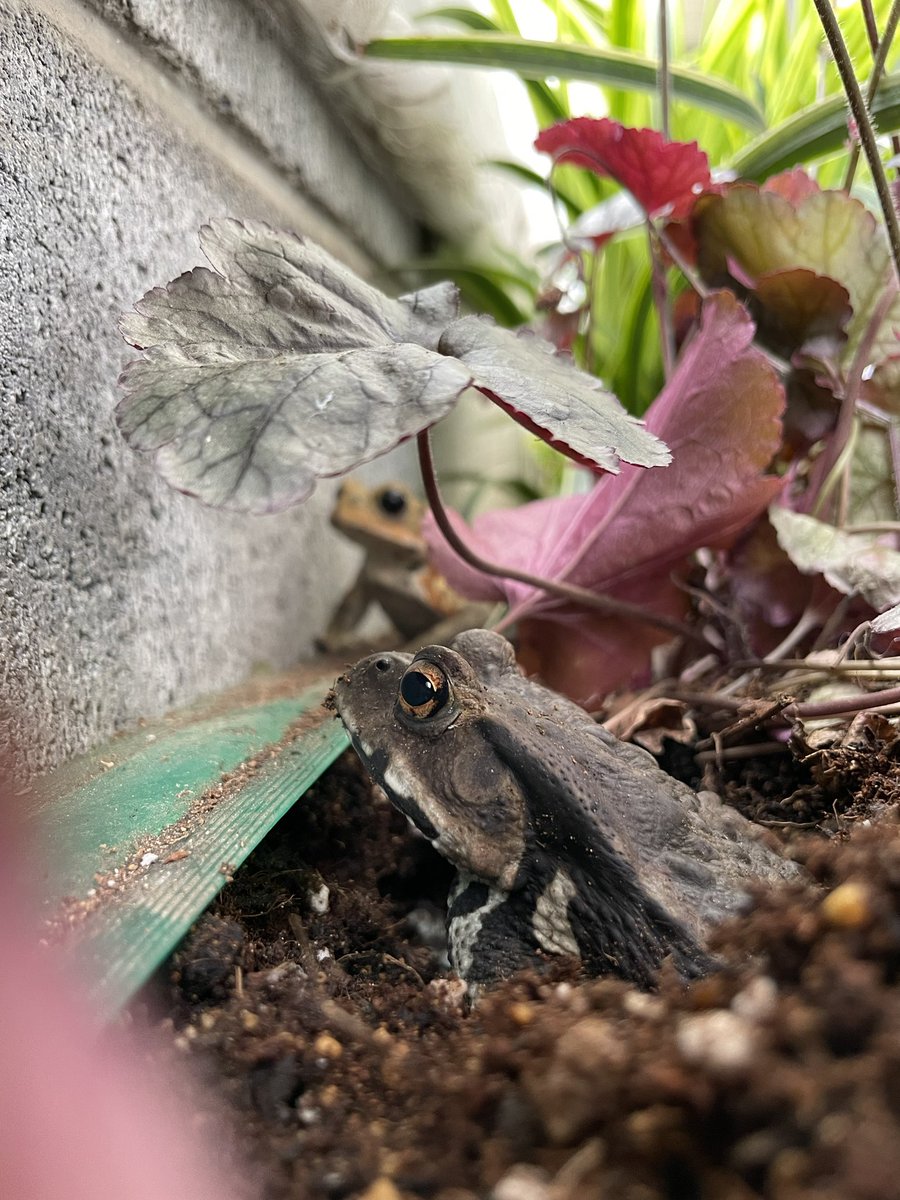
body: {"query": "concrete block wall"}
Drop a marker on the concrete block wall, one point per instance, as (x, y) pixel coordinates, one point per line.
(128, 123)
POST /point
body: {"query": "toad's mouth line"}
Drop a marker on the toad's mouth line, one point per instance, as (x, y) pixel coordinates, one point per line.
(410, 809)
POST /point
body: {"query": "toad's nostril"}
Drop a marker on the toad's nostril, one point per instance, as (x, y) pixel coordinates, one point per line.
(382, 664)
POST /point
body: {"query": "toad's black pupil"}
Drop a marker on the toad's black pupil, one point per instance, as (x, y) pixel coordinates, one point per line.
(392, 501)
(417, 689)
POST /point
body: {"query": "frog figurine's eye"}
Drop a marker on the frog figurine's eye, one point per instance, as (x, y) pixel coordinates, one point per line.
(393, 502)
(424, 690)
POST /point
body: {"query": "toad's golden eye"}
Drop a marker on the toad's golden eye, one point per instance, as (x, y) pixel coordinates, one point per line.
(424, 690)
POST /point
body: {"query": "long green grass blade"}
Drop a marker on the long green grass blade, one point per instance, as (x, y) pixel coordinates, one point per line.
(815, 132)
(539, 60)
(573, 207)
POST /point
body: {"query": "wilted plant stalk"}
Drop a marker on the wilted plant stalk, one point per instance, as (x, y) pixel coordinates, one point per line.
(863, 121)
(880, 47)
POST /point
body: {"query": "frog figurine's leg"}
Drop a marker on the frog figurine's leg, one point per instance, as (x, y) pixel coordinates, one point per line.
(473, 615)
(348, 614)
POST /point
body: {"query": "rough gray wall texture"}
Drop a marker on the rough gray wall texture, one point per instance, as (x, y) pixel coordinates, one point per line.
(276, 108)
(118, 597)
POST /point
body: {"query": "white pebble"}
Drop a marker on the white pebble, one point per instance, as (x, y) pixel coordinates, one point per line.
(720, 1040)
(522, 1182)
(148, 858)
(758, 999)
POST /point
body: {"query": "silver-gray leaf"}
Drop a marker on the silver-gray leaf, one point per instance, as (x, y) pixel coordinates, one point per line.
(277, 367)
(851, 562)
(255, 435)
(273, 288)
(544, 392)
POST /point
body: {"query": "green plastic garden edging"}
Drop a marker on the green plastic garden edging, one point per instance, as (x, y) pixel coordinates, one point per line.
(120, 911)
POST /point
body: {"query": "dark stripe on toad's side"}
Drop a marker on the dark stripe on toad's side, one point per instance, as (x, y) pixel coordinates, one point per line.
(473, 896)
(620, 929)
(493, 944)
(505, 939)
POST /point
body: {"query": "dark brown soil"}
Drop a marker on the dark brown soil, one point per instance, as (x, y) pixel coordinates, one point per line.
(340, 1052)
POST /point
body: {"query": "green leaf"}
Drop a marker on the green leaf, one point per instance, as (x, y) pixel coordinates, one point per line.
(505, 16)
(440, 267)
(484, 292)
(815, 132)
(873, 494)
(539, 60)
(626, 31)
(548, 108)
(850, 562)
(595, 13)
(533, 177)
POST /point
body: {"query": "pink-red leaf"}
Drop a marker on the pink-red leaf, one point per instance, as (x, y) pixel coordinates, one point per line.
(664, 177)
(794, 185)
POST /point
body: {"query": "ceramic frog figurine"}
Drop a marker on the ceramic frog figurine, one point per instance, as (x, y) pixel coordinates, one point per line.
(565, 840)
(386, 521)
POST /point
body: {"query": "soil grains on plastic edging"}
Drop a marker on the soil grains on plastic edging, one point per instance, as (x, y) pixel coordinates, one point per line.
(330, 1040)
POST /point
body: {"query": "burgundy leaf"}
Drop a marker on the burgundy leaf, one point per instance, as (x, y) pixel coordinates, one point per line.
(585, 654)
(664, 177)
(794, 306)
(720, 414)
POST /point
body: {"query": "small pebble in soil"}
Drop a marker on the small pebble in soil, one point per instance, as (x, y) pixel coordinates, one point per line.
(721, 1041)
(849, 906)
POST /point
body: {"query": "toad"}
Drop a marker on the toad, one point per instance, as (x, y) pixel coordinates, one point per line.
(564, 839)
(386, 521)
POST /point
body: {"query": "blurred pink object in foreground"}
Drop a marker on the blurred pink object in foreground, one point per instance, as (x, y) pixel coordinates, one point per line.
(81, 1116)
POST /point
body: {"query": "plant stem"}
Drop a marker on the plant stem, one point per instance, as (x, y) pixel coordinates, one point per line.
(590, 261)
(836, 456)
(661, 302)
(754, 750)
(880, 49)
(868, 13)
(682, 264)
(664, 80)
(874, 527)
(863, 123)
(567, 591)
(845, 704)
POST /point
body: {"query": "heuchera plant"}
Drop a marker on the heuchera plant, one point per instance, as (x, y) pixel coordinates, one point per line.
(278, 365)
(788, 360)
